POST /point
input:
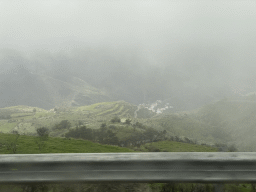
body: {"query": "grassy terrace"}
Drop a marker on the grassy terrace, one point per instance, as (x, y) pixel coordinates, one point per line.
(27, 145)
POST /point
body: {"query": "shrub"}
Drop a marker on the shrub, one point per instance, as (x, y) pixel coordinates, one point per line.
(112, 127)
(140, 125)
(42, 132)
(115, 120)
(64, 124)
(12, 145)
(80, 133)
(103, 125)
(152, 148)
(232, 148)
(5, 116)
(128, 121)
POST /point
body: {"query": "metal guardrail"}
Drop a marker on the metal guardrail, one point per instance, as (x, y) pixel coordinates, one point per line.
(193, 167)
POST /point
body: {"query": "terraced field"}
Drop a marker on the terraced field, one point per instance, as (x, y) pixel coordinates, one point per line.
(26, 119)
(119, 108)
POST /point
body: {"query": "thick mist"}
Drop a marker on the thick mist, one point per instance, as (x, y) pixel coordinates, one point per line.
(187, 53)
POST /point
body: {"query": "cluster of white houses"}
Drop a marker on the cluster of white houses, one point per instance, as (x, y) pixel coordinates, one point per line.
(153, 107)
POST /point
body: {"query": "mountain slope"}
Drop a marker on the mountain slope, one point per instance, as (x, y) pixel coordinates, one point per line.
(230, 121)
(21, 87)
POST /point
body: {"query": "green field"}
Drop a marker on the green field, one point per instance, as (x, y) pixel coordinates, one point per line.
(27, 145)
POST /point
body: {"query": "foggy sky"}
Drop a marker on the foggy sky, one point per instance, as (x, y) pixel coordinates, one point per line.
(151, 25)
(214, 39)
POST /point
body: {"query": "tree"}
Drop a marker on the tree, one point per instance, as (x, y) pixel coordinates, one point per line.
(151, 134)
(80, 123)
(64, 124)
(12, 145)
(103, 125)
(128, 121)
(85, 133)
(115, 120)
(80, 133)
(232, 148)
(109, 138)
(42, 132)
(34, 110)
(113, 127)
(102, 134)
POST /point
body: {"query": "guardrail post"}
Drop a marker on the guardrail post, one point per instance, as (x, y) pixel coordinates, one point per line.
(220, 187)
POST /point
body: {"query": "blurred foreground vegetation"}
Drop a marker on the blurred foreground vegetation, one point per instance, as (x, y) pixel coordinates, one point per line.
(24, 144)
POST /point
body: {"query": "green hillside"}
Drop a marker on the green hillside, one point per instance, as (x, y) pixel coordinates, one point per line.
(231, 121)
(29, 145)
